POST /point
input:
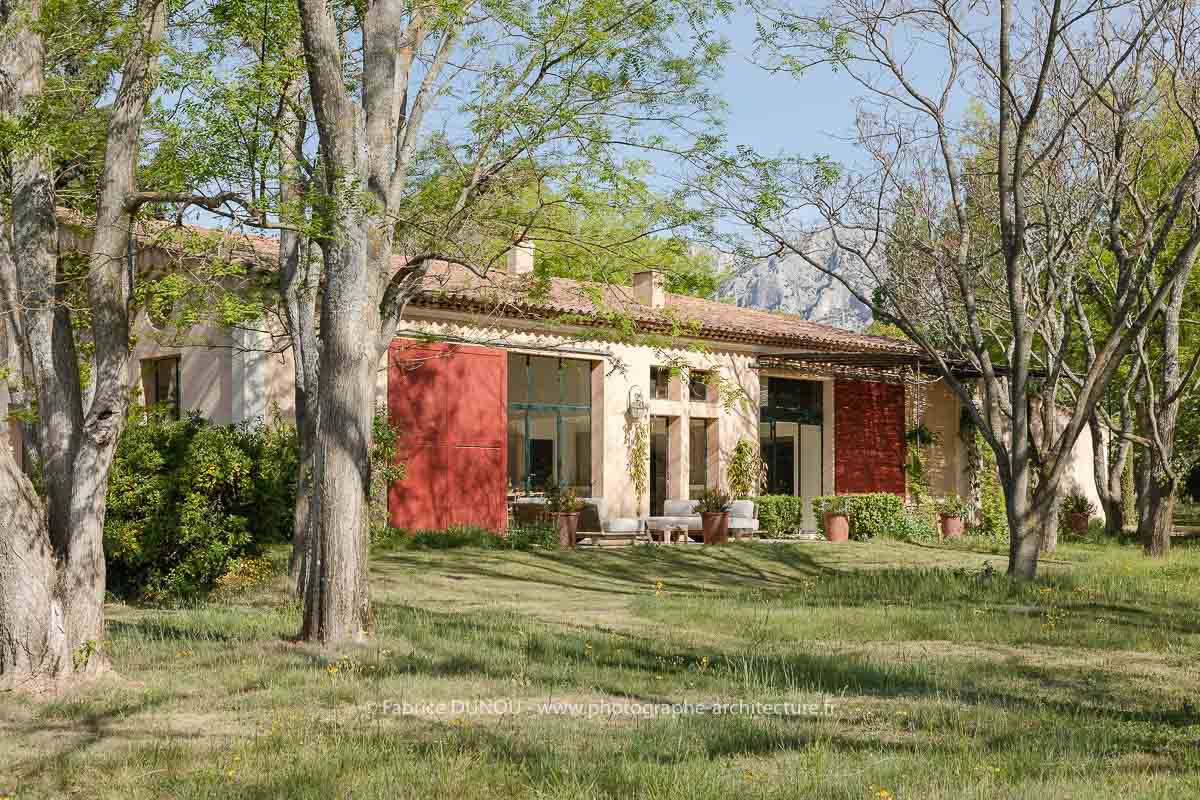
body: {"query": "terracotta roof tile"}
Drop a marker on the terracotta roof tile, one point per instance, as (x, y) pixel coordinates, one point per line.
(579, 302)
(591, 303)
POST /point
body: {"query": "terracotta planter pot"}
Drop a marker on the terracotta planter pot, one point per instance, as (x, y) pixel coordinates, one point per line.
(568, 524)
(952, 527)
(1078, 522)
(715, 525)
(837, 527)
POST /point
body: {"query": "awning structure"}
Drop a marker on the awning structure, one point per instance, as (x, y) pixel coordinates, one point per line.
(891, 362)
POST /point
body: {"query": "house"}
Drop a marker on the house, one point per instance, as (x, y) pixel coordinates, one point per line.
(496, 390)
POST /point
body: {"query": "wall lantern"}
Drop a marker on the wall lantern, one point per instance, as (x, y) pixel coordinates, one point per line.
(637, 402)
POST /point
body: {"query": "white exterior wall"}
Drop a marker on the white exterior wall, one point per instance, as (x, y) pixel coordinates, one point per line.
(207, 386)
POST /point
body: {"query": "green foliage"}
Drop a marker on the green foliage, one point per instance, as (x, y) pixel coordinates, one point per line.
(913, 527)
(529, 537)
(778, 514)
(747, 474)
(245, 574)
(712, 501)
(876, 513)
(1078, 503)
(526, 537)
(187, 500)
(922, 436)
(886, 329)
(608, 241)
(993, 515)
(918, 440)
(386, 467)
(562, 499)
(954, 507)
(637, 435)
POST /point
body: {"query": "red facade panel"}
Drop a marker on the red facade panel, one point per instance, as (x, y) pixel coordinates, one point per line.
(868, 437)
(450, 404)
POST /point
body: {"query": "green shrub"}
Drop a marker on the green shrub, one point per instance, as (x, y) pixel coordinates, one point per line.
(187, 500)
(913, 526)
(993, 516)
(456, 536)
(778, 514)
(1078, 503)
(876, 513)
(244, 574)
(528, 537)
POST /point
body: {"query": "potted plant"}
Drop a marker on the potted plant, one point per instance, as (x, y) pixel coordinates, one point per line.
(747, 472)
(565, 505)
(713, 507)
(837, 520)
(1079, 510)
(953, 512)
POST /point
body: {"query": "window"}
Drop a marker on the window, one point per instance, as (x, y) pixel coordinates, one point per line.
(160, 383)
(700, 388)
(791, 400)
(549, 423)
(697, 456)
(790, 435)
(660, 382)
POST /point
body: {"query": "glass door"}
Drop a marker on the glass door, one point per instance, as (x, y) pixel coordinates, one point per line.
(658, 464)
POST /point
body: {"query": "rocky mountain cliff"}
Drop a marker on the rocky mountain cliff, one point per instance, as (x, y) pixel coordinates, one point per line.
(793, 286)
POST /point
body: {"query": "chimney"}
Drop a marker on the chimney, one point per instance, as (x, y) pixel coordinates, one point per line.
(520, 258)
(648, 288)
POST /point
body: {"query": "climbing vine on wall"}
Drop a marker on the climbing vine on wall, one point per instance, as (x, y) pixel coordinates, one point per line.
(917, 441)
(983, 476)
(637, 433)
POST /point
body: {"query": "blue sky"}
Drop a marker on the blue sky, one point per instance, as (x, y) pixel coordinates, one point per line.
(778, 113)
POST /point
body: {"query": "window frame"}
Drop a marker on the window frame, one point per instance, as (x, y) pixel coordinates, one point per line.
(152, 367)
(523, 407)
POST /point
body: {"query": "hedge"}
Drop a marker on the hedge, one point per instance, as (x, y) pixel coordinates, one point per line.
(870, 514)
(778, 514)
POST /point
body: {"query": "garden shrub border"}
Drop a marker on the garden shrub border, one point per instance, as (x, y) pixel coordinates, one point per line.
(778, 514)
(871, 514)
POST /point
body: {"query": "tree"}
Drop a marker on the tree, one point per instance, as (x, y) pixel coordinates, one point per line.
(605, 237)
(1154, 135)
(545, 95)
(995, 258)
(52, 573)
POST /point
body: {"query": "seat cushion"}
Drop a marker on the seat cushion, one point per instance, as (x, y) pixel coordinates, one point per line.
(742, 508)
(743, 524)
(623, 525)
(679, 508)
(659, 523)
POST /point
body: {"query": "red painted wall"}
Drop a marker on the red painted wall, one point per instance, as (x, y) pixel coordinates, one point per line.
(450, 402)
(868, 437)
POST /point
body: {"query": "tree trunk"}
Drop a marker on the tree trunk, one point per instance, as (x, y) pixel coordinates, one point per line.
(1049, 528)
(299, 281)
(336, 602)
(1109, 461)
(1025, 529)
(33, 637)
(1157, 520)
(1024, 541)
(52, 571)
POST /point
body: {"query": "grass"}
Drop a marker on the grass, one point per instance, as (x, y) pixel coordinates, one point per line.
(918, 672)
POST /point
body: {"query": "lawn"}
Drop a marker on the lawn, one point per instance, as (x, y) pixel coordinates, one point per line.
(863, 671)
